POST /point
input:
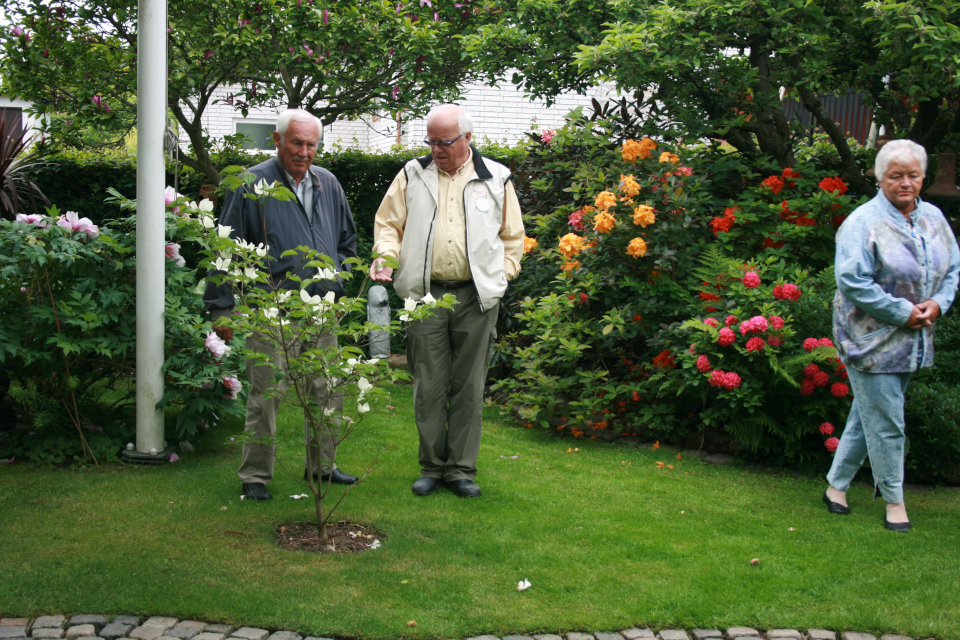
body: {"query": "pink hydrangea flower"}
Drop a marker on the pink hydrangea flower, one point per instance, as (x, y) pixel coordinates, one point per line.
(755, 344)
(726, 337)
(756, 324)
(216, 346)
(233, 384)
(831, 444)
(712, 322)
(751, 280)
(83, 225)
(703, 364)
(826, 429)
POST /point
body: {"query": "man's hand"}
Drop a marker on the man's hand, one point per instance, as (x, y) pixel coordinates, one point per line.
(379, 272)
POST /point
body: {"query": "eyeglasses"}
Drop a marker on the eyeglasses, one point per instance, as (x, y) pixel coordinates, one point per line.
(440, 143)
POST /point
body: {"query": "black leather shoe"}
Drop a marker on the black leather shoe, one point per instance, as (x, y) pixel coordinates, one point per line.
(835, 507)
(337, 477)
(464, 488)
(425, 486)
(900, 527)
(256, 491)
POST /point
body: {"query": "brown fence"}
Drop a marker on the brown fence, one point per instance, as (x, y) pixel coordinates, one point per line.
(847, 110)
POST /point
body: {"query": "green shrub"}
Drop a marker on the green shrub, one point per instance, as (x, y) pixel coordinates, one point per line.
(68, 339)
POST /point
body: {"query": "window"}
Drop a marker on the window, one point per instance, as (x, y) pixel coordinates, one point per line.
(260, 134)
(13, 116)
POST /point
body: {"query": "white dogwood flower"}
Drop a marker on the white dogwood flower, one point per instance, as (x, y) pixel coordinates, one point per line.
(363, 408)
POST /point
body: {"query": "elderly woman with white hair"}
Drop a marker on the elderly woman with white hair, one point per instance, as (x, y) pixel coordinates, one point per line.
(897, 266)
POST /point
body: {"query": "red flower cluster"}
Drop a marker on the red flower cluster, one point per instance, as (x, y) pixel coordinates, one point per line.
(839, 390)
(756, 324)
(727, 380)
(703, 364)
(789, 176)
(774, 183)
(775, 341)
(725, 223)
(751, 280)
(709, 296)
(770, 243)
(826, 429)
(812, 343)
(730, 320)
(712, 322)
(727, 337)
(776, 322)
(755, 344)
(834, 184)
(664, 360)
(576, 220)
(786, 292)
(797, 218)
(831, 444)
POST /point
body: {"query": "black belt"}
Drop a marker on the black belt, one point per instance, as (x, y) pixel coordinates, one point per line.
(451, 284)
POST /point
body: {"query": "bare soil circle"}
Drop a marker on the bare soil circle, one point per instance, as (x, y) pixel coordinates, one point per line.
(343, 536)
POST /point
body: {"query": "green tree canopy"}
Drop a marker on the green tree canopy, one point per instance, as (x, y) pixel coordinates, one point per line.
(334, 58)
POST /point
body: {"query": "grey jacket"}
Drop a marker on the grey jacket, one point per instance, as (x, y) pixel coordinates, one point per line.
(883, 267)
(332, 231)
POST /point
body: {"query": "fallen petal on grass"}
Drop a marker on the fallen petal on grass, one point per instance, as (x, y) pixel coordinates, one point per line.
(523, 585)
(755, 561)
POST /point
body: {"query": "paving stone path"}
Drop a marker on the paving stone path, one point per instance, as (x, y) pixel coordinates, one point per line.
(97, 627)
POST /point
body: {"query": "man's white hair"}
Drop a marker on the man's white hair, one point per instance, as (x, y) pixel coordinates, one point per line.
(464, 121)
(904, 150)
(300, 115)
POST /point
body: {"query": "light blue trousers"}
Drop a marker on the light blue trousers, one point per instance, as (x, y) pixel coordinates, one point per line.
(874, 427)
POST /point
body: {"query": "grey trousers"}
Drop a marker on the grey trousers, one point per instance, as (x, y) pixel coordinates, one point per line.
(262, 409)
(448, 354)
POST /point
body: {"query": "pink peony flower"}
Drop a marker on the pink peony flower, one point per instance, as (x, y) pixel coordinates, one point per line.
(173, 252)
(831, 444)
(72, 221)
(839, 390)
(755, 344)
(35, 219)
(809, 344)
(233, 384)
(217, 347)
(726, 337)
(826, 429)
(776, 322)
(703, 364)
(712, 322)
(751, 280)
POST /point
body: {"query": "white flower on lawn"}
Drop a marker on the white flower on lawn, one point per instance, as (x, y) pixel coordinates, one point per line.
(523, 585)
(302, 495)
(222, 264)
(429, 299)
(363, 408)
(224, 231)
(363, 385)
(206, 205)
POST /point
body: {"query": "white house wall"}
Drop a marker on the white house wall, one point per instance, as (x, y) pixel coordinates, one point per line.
(501, 114)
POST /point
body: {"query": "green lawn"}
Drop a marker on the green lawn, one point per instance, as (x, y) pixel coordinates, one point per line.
(607, 539)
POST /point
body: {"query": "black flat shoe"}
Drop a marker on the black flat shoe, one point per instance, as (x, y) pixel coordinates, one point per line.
(464, 488)
(256, 491)
(425, 486)
(337, 477)
(835, 507)
(899, 527)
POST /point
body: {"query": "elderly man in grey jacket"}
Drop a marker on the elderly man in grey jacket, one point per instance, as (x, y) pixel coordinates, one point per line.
(319, 218)
(453, 222)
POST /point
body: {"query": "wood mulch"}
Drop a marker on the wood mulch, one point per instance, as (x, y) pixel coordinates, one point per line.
(342, 537)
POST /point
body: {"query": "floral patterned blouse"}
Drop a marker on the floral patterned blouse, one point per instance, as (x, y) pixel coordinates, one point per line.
(884, 265)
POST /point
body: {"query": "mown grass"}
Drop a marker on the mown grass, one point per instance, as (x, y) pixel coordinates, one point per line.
(607, 539)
